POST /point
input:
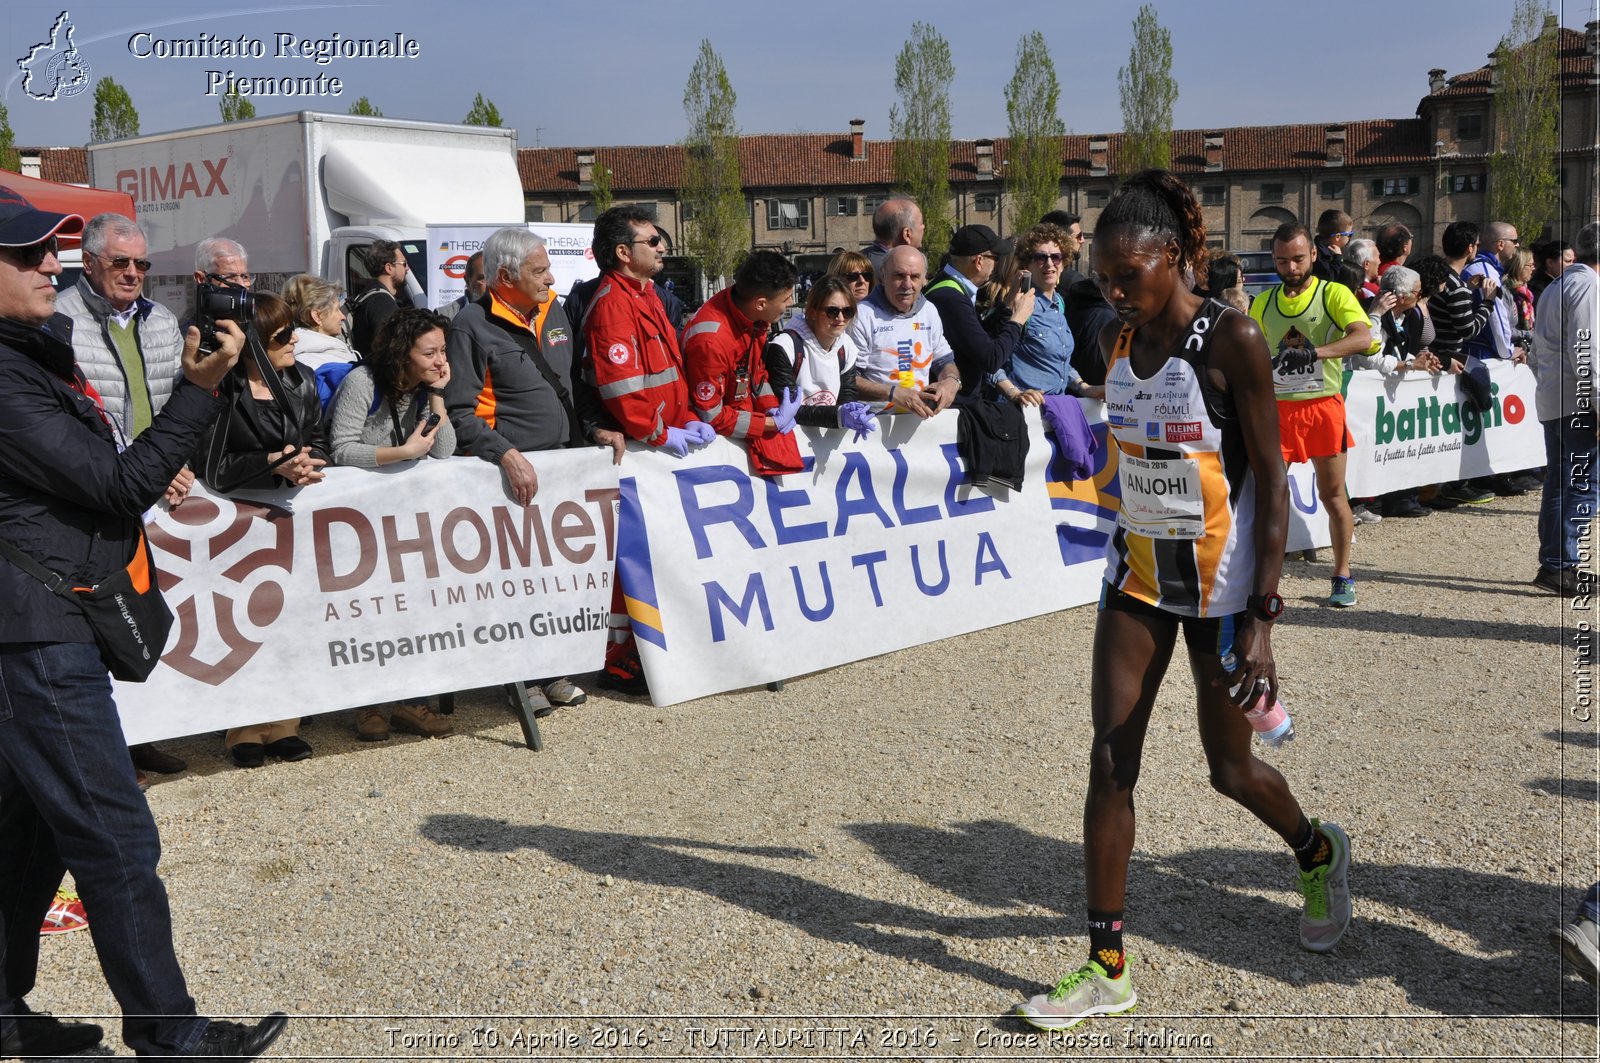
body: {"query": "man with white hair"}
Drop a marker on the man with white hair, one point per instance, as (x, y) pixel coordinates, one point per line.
(515, 383)
(217, 257)
(906, 365)
(896, 223)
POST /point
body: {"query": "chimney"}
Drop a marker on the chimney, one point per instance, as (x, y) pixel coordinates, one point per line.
(1335, 146)
(1436, 80)
(1099, 149)
(1213, 152)
(586, 169)
(1494, 72)
(985, 149)
(858, 139)
(1591, 38)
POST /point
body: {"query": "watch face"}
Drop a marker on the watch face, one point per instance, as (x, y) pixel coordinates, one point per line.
(1272, 604)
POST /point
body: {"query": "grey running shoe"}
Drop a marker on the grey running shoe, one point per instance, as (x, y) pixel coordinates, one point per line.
(564, 692)
(1083, 993)
(1579, 944)
(1326, 889)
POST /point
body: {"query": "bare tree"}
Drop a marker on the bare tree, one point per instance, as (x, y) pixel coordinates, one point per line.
(114, 114)
(1034, 129)
(1523, 182)
(717, 220)
(920, 126)
(1148, 93)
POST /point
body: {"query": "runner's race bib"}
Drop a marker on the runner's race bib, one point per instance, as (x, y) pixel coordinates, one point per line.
(1161, 498)
(1289, 382)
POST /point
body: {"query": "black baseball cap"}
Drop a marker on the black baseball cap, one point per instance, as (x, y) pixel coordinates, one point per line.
(21, 223)
(977, 239)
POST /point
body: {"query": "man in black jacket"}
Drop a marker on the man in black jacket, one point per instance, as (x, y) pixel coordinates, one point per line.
(68, 798)
(973, 251)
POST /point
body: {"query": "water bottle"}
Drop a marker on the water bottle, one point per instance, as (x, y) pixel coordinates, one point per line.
(1272, 721)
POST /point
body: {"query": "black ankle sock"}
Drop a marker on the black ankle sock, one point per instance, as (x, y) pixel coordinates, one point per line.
(1310, 846)
(1105, 941)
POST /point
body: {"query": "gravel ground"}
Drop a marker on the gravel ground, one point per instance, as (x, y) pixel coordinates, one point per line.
(849, 868)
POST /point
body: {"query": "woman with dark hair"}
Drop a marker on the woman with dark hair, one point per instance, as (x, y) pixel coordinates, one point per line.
(391, 408)
(1198, 548)
(384, 410)
(816, 354)
(262, 441)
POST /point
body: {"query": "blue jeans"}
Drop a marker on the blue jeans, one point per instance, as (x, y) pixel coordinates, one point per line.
(1590, 908)
(1568, 503)
(69, 801)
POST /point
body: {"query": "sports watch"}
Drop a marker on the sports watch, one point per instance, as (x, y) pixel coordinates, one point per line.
(1267, 607)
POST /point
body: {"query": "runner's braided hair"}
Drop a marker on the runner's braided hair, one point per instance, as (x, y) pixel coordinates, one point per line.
(1156, 203)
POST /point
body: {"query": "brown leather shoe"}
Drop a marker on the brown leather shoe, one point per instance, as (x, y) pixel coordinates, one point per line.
(370, 724)
(420, 719)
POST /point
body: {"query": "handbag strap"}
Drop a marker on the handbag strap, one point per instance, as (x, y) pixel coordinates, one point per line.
(53, 580)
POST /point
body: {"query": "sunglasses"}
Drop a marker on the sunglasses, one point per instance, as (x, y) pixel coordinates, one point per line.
(122, 262)
(1347, 232)
(32, 255)
(837, 312)
(282, 337)
(865, 278)
(654, 241)
(1055, 259)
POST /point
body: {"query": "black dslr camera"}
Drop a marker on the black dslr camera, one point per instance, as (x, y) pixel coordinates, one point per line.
(216, 300)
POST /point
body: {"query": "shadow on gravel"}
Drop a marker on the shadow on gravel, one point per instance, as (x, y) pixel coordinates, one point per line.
(1575, 738)
(1430, 626)
(1202, 902)
(897, 930)
(1584, 789)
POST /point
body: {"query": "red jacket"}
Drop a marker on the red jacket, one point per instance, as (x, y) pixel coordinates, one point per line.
(633, 359)
(722, 351)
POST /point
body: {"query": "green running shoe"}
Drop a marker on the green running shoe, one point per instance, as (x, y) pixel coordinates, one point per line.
(1344, 592)
(1327, 892)
(1081, 994)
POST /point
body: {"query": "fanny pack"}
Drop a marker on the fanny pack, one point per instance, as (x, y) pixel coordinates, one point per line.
(126, 612)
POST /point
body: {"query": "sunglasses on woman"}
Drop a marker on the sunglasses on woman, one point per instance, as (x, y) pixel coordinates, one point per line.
(864, 278)
(282, 337)
(837, 312)
(1041, 258)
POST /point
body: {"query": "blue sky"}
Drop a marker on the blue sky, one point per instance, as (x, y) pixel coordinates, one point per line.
(598, 73)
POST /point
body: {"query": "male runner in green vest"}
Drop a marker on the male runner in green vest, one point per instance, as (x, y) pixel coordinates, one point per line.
(1311, 325)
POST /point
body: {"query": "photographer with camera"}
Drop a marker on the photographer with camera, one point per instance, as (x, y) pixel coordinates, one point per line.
(71, 502)
(270, 435)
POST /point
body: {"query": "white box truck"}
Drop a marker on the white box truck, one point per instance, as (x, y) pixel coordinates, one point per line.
(309, 192)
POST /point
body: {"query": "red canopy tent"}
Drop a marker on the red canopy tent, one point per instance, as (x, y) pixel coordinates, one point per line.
(69, 199)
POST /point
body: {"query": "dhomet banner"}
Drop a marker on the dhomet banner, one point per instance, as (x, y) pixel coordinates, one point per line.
(734, 580)
(371, 586)
(1417, 429)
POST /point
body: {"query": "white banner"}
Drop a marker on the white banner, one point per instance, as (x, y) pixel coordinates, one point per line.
(734, 580)
(450, 246)
(371, 586)
(1418, 429)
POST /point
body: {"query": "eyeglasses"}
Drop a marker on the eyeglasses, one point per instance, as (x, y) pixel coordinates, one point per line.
(232, 278)
(864, 278)
(31, 256)
(122, 262)
(654, 241)
(837, 312)
(282, 337)
(1055, 259)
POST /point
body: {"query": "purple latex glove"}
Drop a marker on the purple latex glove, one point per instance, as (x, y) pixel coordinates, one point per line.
(678, 442)
(857, 416)
(783, 416)
(700, 433)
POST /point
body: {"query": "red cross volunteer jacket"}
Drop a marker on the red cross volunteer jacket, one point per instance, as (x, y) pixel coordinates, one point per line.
(722, 351)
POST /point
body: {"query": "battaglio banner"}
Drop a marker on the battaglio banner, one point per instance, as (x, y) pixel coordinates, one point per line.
(1418, 429)
(372, 586)
(734, 580)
